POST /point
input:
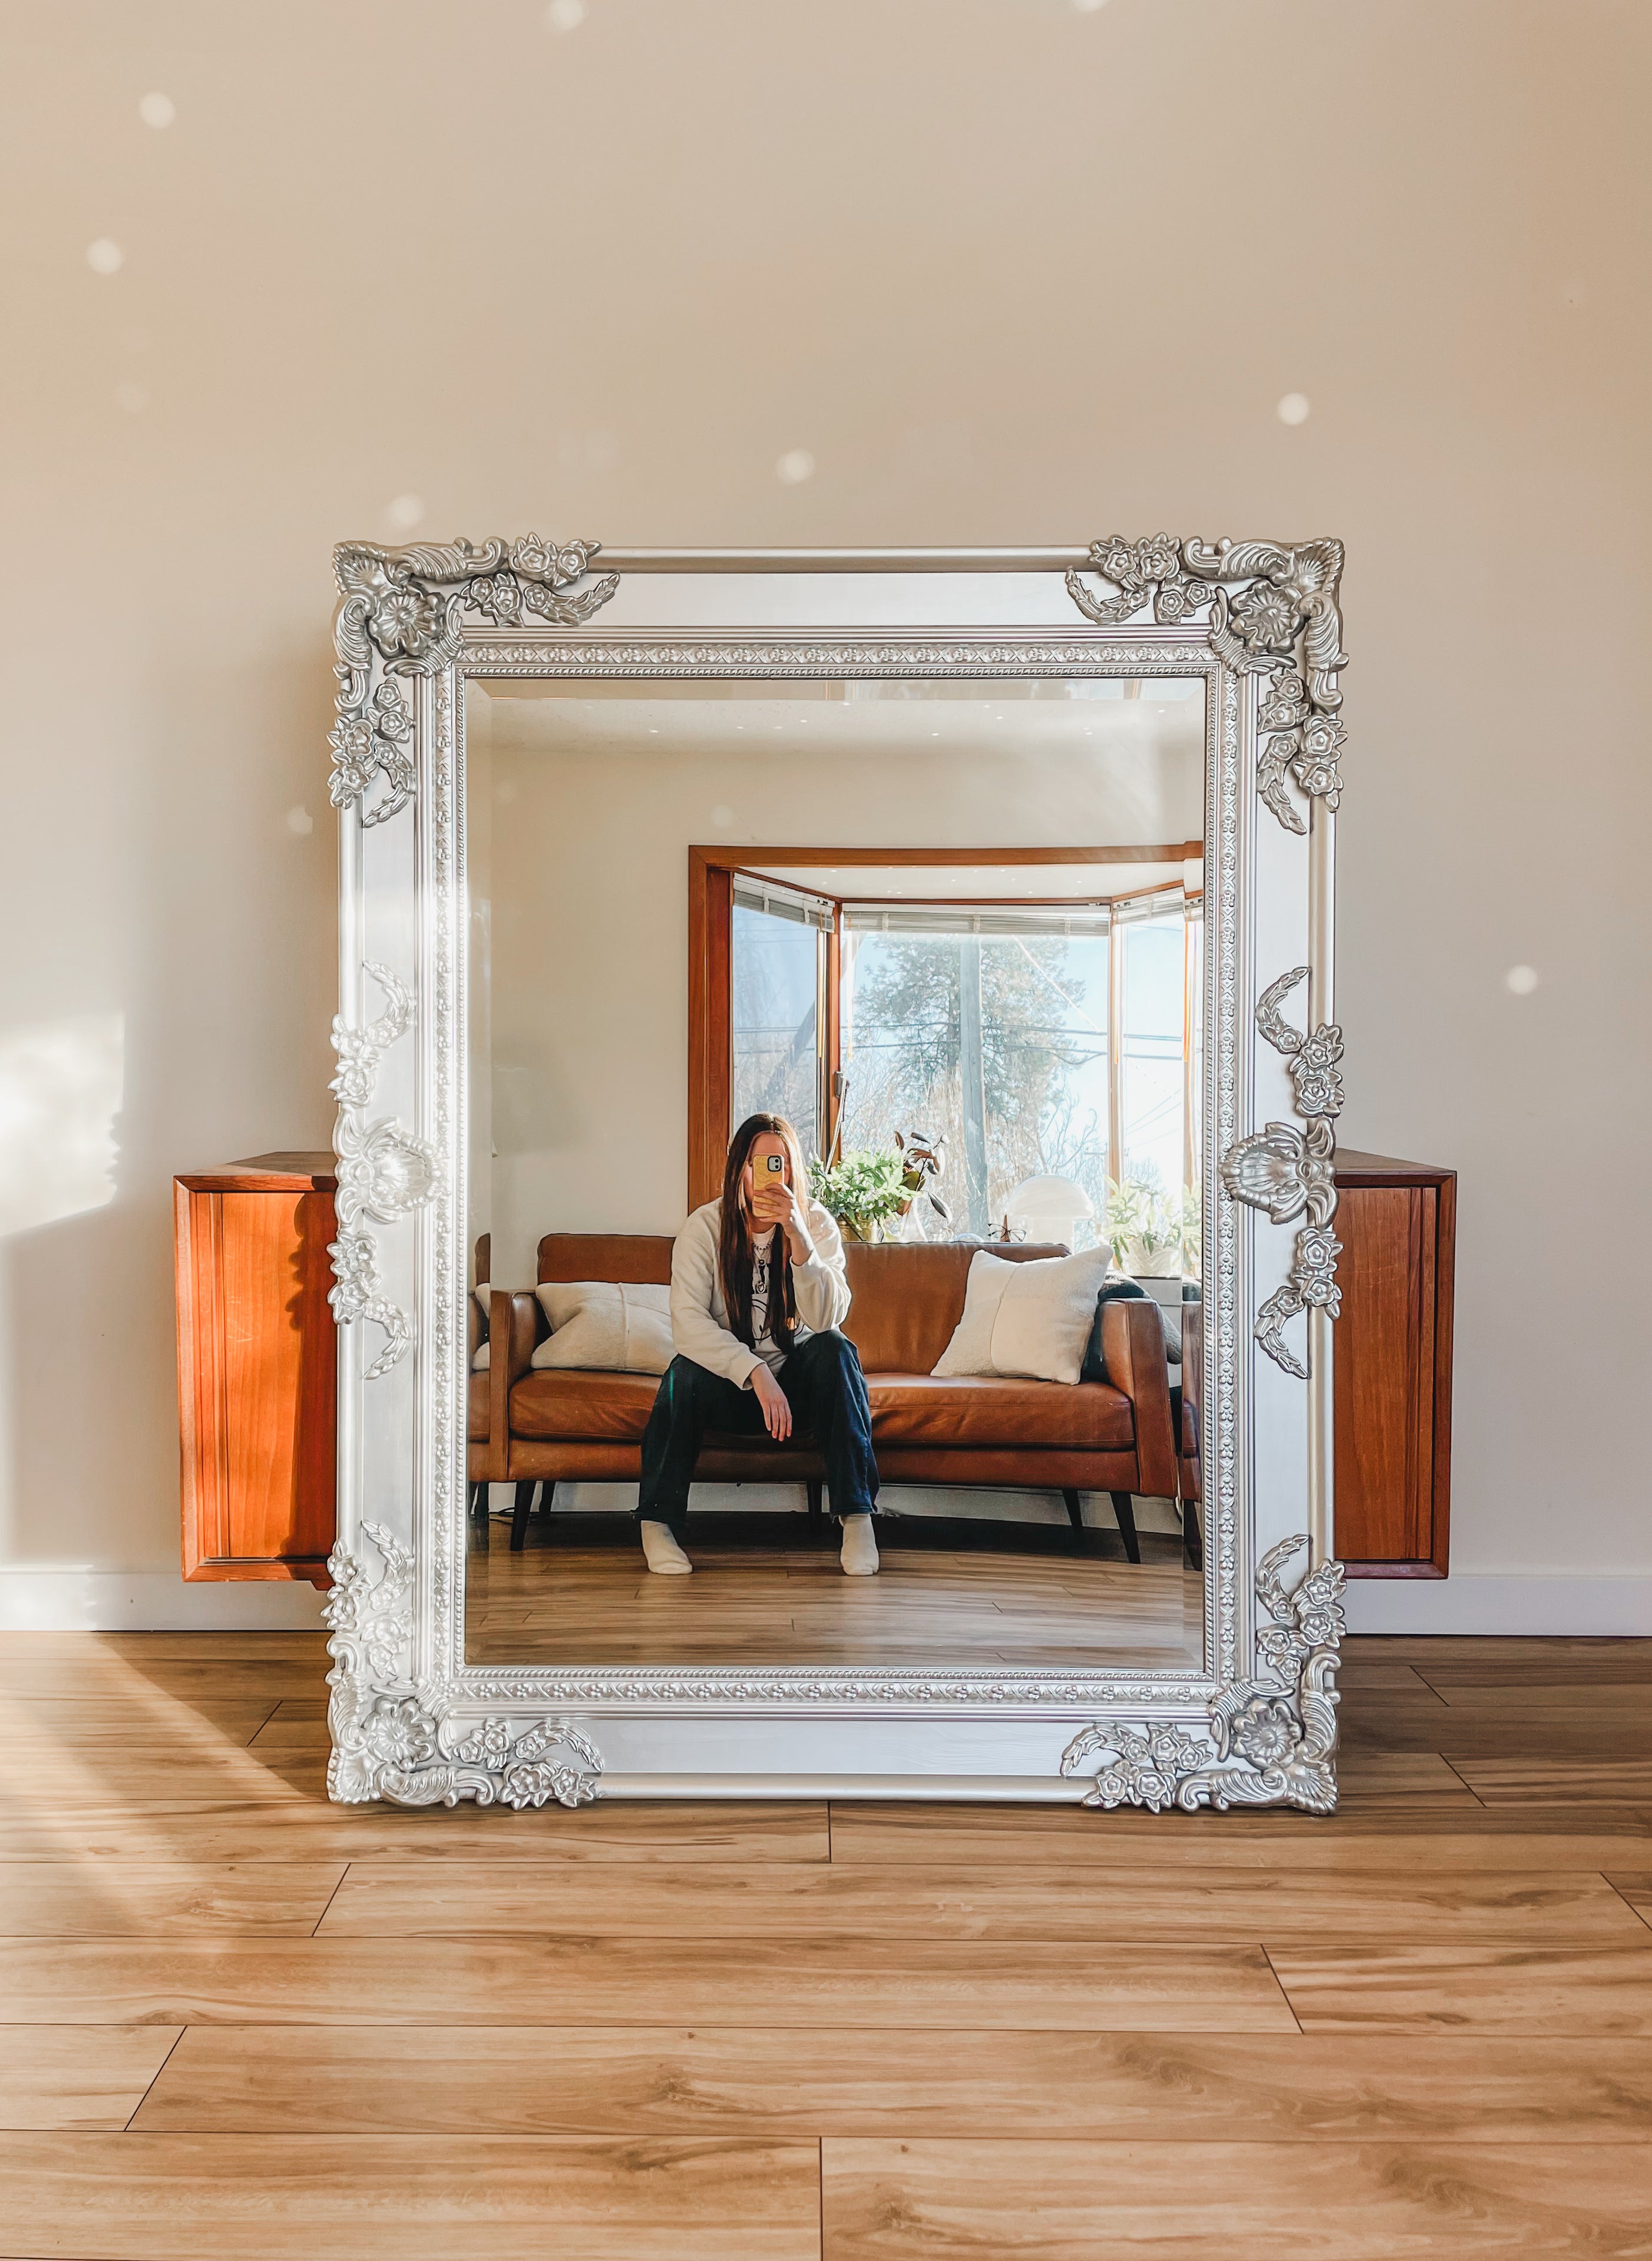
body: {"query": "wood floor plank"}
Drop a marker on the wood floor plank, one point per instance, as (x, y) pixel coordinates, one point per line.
(1057, 1836)
(1636, 1887)
(290, 1731)
(1525, 1656)
(852, 2080)
(235, 1830)
(41, 1726)
(1543, 1780)
(87, 2078)
(1513, 1699)
(1398, 1679)
(330, 2197)
(231, 1680)
(777, 1901)
(1404, 1725)
(583, 1980)
(1385, 1777)
(1073, 2201)
(1422, 1989)
(247, 1646)
(165, 1776)
(60, 1899)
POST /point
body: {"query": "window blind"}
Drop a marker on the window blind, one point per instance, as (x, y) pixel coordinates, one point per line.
(1007, 919)
(782, 902)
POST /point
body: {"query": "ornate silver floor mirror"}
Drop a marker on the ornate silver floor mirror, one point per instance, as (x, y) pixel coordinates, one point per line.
(1040, 780)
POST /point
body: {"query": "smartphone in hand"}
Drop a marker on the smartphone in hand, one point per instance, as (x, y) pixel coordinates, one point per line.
(769, 1188)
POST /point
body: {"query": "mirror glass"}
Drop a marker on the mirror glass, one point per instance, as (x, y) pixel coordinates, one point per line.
(951, 933)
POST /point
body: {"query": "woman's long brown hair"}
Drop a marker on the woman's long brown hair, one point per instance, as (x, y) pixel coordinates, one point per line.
(734, 1239)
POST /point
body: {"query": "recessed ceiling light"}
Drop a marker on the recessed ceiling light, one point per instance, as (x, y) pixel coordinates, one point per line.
(795, 466)
(1293, 409)
(157, 110)
(105, 257)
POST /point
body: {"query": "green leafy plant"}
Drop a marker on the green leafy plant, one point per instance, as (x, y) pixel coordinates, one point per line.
(862, 1190)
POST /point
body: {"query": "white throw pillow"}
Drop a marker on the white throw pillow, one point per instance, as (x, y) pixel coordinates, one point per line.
(600, 1323)
(1030, 1321)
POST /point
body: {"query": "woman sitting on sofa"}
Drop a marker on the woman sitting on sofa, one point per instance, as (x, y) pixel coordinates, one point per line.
(758, 1294)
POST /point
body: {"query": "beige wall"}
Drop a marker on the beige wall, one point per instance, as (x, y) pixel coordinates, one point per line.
(1011, 273)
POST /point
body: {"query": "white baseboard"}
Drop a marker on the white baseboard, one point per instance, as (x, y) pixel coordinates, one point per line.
(51, 1600)
(1540, 1602)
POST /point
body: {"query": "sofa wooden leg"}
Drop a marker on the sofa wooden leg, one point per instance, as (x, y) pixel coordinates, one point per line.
(519, 1518)
(814, 1489)
(1074, 1509)
(1192, 1537)
(1124, 1508)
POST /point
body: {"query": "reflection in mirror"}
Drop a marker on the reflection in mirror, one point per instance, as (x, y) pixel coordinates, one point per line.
(950, 933)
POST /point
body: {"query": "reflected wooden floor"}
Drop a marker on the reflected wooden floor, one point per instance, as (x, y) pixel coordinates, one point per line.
(240, 2024)
(567, 1605)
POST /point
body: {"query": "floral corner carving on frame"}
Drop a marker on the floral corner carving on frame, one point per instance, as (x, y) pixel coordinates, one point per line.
(1283, 623)
(389, 1740)
(402, 613)
(383, 1172)
(1266, 1744)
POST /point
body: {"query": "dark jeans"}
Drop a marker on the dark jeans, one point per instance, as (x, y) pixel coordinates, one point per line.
(826, 1393)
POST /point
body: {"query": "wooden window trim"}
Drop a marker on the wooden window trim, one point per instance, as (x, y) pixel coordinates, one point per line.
(711, 874)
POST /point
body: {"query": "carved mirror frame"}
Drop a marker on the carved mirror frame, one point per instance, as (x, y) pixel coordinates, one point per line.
(411, 1721)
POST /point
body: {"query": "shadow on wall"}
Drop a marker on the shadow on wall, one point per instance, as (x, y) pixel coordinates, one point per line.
(62, 1087)
(60, 1090)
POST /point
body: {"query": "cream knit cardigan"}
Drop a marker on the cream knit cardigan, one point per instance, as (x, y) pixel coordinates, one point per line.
(699, 1316)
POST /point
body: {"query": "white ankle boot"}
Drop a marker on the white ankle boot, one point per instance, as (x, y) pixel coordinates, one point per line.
(860, 1549)
(664, 1556)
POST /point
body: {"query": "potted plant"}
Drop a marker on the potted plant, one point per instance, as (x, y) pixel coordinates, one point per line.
(922, 1158)
(862, 1190)
(1139, 1227)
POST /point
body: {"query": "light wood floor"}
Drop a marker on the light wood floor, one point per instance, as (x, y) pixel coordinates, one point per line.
(563, 1605)
(236, 2022)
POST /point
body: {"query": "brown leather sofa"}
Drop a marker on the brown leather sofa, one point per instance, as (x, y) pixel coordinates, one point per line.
(1112, 1436)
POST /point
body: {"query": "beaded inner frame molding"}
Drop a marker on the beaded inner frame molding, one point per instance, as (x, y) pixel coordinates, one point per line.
(411, 1721)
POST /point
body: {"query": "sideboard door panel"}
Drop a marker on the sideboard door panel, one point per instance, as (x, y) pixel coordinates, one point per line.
(1392, 1352)
(257, 1350)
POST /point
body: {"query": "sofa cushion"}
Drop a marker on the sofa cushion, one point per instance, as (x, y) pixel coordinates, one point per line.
(909, 1295)
(606, 1326)
(964, 1412)
(1031, 1320)
(564, 1401)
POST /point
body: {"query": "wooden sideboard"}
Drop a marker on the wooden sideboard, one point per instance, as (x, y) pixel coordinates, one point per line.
(257, 1368)
(1398, 1224)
